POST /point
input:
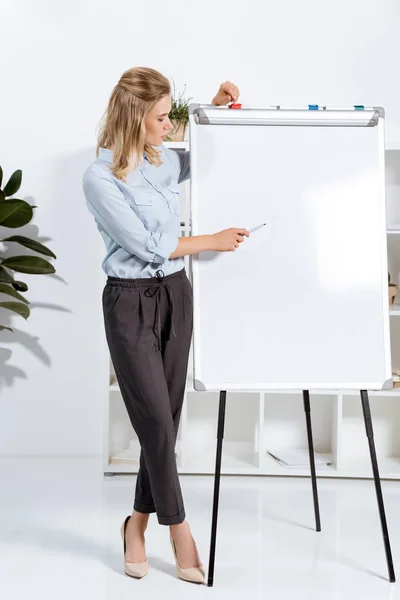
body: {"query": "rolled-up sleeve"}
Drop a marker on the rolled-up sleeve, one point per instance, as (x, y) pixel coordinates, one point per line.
(182, 163)
(112, 211)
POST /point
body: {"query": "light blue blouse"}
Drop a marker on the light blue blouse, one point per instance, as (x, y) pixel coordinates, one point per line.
(138, 220)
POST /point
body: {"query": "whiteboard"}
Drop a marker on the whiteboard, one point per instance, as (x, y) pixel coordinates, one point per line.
(303, 302)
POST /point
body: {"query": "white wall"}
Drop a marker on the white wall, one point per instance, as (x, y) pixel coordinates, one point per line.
(58, 64)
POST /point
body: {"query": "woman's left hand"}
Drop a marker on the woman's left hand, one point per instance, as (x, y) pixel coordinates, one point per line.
(228, 92)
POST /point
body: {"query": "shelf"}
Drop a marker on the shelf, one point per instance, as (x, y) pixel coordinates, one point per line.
(270, 466)
(234, 463)
(389, 468)
(394, 309)
(239, 459)
(285, 423)
(391, 146)
(191, 390)
(236, 457)
(300, 392)
(129, 456)
(354, 460)
(393, 392)
(125, 457)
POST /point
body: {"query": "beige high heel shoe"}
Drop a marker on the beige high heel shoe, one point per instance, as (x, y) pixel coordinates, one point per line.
(192, 574)
(132, 569)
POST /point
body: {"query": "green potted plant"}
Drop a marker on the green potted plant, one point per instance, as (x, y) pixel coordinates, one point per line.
(16, 213)
(179, 115)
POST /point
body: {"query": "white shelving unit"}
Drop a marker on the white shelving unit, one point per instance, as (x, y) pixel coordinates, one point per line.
(257, 422)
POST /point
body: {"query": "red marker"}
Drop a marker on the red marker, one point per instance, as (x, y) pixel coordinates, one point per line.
(233, 105)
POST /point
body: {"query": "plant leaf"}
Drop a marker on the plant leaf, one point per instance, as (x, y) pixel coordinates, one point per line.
(2, 196)
(13, 184)
(31, 244)
(20, 286)
(1, 176)
(2, 327)
(15, 213)
(5, 276)
(17, 307)
(6, 289)
(28, 264)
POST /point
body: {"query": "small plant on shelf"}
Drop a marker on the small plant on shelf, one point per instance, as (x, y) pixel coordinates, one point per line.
(179, 115)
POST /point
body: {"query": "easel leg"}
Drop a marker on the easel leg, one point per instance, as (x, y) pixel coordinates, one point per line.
(378, 488)
(307, 409)
(220, 435)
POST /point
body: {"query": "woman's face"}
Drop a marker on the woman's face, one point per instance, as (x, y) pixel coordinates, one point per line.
(157, 122)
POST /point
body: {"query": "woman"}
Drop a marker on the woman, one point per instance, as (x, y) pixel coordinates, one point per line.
(132, 192)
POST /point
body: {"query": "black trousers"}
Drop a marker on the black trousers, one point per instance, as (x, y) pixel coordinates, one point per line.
(148, 324)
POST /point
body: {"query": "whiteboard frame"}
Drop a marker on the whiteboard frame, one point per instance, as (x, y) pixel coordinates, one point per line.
(343, 116)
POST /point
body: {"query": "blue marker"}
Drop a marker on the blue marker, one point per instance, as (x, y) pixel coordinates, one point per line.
(313, 107)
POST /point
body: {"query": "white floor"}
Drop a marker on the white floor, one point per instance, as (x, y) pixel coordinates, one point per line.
(59, 537)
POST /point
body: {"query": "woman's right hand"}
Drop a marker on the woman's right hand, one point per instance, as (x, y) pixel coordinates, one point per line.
(228, 240)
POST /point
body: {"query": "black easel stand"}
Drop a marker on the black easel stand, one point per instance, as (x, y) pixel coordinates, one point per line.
(306, 398)
(307, 410)
(378, 488)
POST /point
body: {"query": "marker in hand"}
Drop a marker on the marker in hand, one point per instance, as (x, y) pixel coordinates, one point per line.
(255, 228)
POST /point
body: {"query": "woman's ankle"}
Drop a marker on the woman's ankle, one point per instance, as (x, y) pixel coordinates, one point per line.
(178, 528)
(139, 520)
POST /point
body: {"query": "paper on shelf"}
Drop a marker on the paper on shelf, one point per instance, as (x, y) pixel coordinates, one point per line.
(297, 457)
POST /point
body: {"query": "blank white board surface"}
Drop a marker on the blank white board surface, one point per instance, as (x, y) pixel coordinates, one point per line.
(303, 302)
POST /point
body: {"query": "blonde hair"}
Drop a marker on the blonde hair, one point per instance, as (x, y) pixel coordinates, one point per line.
(122, 128)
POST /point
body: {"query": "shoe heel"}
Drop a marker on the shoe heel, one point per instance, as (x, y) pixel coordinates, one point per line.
(137, 570)
(192, 574)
